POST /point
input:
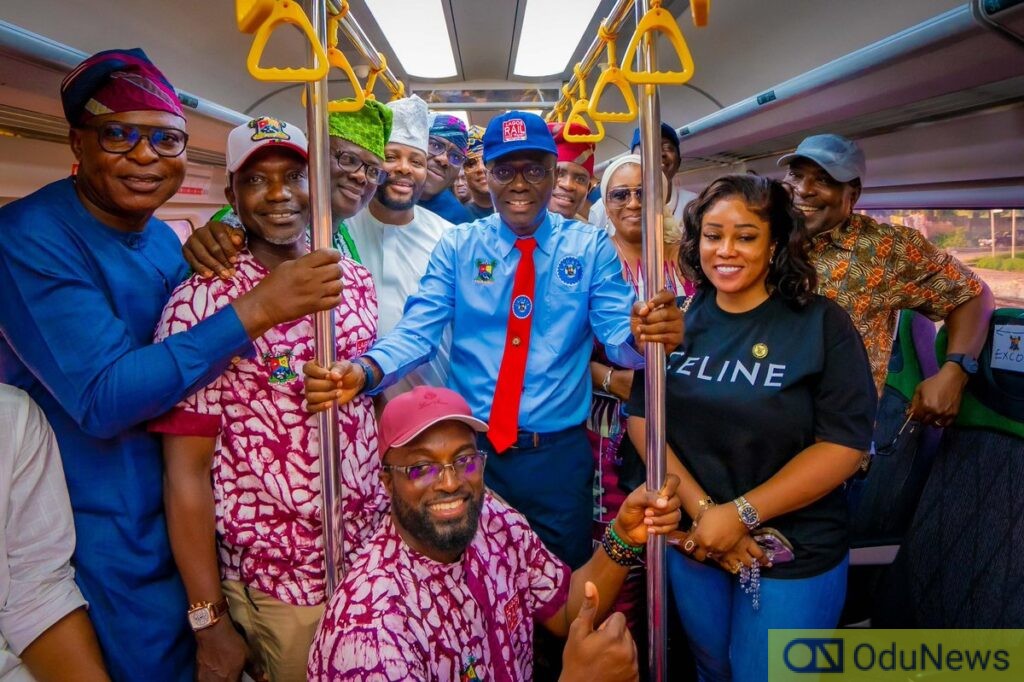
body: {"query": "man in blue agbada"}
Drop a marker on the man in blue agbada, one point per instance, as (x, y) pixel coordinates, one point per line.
(526, 292)
(85, 270)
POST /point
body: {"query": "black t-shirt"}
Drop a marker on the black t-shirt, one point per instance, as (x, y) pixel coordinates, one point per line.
(749, 391)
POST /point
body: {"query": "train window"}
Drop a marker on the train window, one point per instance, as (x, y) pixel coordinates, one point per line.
(984, 240)
(182, 227)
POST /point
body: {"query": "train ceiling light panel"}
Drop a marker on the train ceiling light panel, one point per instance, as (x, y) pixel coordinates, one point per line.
(551, 32)
(418, 33)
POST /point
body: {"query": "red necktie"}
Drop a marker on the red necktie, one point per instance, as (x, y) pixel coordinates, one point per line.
(504, 422)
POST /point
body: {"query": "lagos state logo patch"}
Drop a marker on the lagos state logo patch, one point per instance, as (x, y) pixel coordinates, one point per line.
(268, 128)
(279, 367)
(522, 306)
(484, 271)
(570, 270)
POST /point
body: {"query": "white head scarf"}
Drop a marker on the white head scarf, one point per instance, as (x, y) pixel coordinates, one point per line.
(673, 235)
(411, 125)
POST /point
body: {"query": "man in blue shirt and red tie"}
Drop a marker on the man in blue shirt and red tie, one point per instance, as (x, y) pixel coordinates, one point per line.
(526, 291)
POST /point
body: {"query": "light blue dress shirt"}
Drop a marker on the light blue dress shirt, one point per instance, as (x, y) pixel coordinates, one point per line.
(579, 294)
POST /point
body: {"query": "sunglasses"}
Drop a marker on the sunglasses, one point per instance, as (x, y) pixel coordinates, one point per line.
(619, 196)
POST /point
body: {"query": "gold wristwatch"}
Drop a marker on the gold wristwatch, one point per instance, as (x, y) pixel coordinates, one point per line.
(203, 614)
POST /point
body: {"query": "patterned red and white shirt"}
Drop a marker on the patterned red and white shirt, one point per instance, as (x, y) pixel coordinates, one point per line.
(266, 468)
(399, 615)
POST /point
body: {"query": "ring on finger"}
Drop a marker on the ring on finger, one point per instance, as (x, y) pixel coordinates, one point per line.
(737, 566)
(689, 545)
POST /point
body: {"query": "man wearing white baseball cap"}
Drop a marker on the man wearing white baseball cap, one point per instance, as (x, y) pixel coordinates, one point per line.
(451, 584)
(261, 506)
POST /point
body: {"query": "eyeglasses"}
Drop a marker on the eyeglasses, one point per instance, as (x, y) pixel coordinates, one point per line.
(425, 474)
(121, 138)
(533, 173)
(436, 146)
(619, 196)
(575, 178)
(350, 163)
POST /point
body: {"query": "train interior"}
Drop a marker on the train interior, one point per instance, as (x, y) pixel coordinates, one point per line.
(933, 90)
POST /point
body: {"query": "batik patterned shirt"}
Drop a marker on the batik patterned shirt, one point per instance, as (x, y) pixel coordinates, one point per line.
(399, 615)
(874, 270)
(266, 468)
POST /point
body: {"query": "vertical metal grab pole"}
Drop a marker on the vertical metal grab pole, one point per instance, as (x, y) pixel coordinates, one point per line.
(320, 215)
(653, 278)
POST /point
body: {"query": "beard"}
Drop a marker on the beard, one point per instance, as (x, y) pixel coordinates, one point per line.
(447, 537)
(395, 204)
(285, 241)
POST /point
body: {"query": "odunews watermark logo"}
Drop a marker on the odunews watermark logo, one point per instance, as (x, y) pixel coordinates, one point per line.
(839, 655)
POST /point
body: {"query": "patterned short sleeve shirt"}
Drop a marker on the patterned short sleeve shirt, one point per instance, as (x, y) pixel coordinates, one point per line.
(874, 270)
(399, 615)
(266, 468)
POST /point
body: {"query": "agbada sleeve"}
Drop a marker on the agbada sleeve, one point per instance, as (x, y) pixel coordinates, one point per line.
(56, 316)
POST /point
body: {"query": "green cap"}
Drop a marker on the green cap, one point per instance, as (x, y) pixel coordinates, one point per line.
(370, 127)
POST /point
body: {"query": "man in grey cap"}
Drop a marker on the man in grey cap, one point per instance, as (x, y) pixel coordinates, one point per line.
(874, 270)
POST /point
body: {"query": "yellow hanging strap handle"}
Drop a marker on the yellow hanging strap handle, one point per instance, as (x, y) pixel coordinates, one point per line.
(699, 12)
(371, 80)
(338, 59)
(399, 93)
(262, 17)
(612, 75)
(660, 20)
(580, 107)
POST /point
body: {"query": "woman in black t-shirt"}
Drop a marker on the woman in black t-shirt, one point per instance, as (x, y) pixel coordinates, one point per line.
(769, 405)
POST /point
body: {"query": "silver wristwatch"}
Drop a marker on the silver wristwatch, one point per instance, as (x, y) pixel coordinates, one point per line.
(748, 513)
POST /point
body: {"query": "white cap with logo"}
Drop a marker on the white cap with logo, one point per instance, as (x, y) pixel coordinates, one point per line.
(248, 138)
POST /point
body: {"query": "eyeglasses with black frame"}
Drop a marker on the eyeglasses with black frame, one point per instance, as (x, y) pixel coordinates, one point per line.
(469, 465)
(350, 163)
(533, 173)
(436, 146)
(120, 138)
(619, 196)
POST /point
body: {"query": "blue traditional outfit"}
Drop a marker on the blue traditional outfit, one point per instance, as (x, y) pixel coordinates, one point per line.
(445, 203)
(80, 303)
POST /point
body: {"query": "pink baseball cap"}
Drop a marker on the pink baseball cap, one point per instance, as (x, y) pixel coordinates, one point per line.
(415, 411)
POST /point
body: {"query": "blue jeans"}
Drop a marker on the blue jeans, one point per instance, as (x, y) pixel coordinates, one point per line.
(728, 637)
(552, 486)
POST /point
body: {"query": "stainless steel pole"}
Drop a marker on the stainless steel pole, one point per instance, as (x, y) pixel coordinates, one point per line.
(654, 354)
(323, 322)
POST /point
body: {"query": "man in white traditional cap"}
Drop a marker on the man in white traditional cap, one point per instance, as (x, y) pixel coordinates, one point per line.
(395, 236)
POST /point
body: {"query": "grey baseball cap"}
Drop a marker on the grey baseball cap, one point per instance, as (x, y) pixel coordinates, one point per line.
(840, 157)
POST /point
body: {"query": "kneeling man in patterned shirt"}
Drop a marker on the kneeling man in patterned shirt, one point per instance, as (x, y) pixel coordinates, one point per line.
(450, 585)
(241, 466)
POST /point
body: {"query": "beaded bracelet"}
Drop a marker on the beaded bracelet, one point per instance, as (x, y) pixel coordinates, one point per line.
(635, 549)
(620, 551)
